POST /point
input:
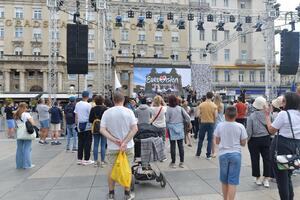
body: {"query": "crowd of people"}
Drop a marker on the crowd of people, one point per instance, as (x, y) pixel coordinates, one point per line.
(269, 129)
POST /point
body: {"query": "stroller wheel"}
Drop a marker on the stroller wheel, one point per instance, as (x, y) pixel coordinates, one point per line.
(163, 181)
(133, 181)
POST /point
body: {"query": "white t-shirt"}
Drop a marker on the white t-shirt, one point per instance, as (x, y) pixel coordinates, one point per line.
(25, 116)
(230, 134)
(282, 123)
(82, 109)
(160, 121)
(118, 121)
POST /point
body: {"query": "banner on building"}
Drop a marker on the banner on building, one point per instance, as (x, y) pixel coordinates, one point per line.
(161, 80)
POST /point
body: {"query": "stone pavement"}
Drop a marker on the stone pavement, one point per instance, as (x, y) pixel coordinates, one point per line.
(56, 176)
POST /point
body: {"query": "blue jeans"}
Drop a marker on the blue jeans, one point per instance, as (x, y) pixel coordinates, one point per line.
(209, 128)
(23, 155)
(230, 167)
(97, 138)
(71, 133)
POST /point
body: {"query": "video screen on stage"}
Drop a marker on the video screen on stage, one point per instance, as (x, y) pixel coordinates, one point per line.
(161, 80)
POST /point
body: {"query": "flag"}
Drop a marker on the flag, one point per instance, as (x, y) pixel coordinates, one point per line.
(117, 82)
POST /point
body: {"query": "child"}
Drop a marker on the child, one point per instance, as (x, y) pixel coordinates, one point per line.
(230, 136)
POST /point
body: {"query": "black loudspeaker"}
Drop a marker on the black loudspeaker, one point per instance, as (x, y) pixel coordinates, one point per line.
(289, 56)
(77, 49)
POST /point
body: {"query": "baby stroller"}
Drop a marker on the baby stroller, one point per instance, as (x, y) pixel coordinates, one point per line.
(142, 170)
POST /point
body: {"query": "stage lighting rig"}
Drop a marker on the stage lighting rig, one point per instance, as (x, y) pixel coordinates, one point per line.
(148, 15)
(238, 27)
(160, 23)
(141, 21)
(118, 21)
(172, 56)
(181, 24)
(130, 14)
(94, 5)
(170, 16)
(220, 26)
(258, 26)
(200, 25)
(298, 10)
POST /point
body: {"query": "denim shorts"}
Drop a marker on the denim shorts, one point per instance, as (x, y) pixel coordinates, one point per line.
(230, 167)
(44, 123)
(10, 123)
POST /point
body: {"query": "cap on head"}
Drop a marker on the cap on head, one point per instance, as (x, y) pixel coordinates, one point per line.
(85, 94)
(72, 98)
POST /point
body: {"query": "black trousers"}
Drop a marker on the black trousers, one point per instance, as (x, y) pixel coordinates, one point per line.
(283, 177)
(85, 139)
(195, 128)
(173, 150)
(260, 146)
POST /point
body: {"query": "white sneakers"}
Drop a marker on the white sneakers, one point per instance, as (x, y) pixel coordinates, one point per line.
(87, 162)
(261, 181)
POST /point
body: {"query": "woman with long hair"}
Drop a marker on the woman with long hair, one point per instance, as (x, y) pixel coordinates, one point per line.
(23, 154)
(287, 140)
(10, 122)
(175, 118)
(220, 118)
(187, 130)
(159, 115)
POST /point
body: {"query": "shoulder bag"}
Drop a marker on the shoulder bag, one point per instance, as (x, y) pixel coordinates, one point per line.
(156, 115)
(22, 133)
(291, 161)
(186, 123)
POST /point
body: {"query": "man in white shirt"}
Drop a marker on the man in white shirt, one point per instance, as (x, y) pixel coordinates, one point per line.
(82, 112)
(118, 125)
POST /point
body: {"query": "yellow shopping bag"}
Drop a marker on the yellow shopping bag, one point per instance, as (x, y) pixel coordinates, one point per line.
(121, 172)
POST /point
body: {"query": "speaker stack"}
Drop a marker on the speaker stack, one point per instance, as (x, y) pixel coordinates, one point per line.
(289, 56)
(77, 49)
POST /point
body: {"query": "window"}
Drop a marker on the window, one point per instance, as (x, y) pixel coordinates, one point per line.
(158, 36)
(202, 35)
(215, 56)
(37, 14)
(124, 35)
(243, 38)
(125, 17)
(91, 55)
(55, 35)
(124, 76)
(241, 76)
(243, 4)
(36, 52)
(31, 74)
(214, 36)
(159, 51)
(19, 13)
(37, 34)
(262, 76)
(202, 52)
(175, 36)
(226, 54)
(142, 36)
(252, 76)
(39, 75)
(1, 53)
(16, 75)
(91, 34)
(216, 76)
(141, 51)
(176, 56)
(1, 32)
(125, 50)
(19, 32)
(213, 2)
(1, 75)
(18, 51)
(72, 77)
(227, 76)
(1, 12)
(244, 55)
(91, 16)
(226, 3)
(226, 35)
(90, 76)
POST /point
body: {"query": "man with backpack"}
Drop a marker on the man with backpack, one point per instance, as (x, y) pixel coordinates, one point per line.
(70, 124)
(55, 123)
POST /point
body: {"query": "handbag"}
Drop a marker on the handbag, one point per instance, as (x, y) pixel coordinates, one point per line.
(29, 127)
(187, 124)
(156, 115)
(22, 133)
(291, 161)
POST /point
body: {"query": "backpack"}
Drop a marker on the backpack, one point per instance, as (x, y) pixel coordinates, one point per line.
(69, 113)
(96, 126)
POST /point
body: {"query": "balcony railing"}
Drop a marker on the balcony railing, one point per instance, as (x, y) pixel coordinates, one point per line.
(249, 62)
(29, 58)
